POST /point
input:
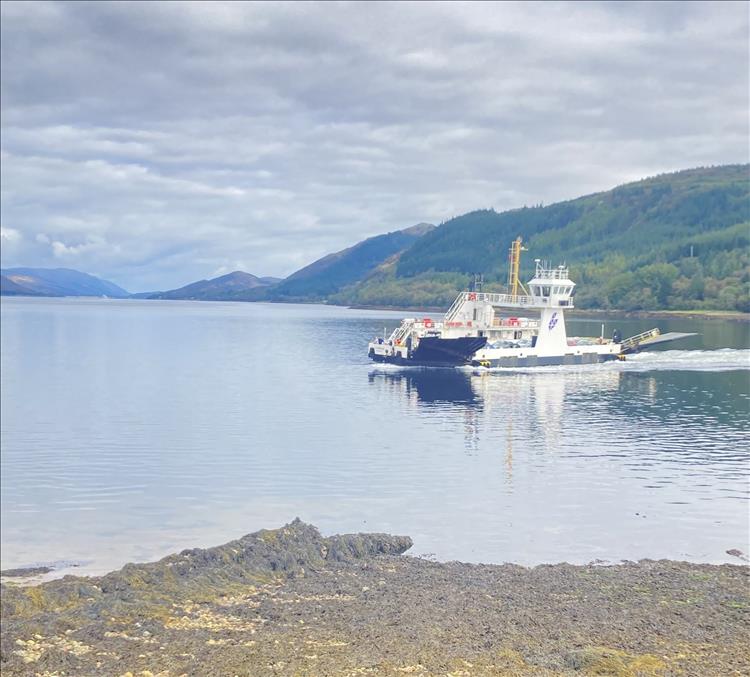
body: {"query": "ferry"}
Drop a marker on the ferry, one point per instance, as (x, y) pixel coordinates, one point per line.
(494, 330)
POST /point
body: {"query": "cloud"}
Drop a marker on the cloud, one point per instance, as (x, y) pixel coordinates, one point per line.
(157, 143)
(9, 235)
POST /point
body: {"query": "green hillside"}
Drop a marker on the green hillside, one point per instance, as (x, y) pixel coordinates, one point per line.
(678, 241)
(328, 275)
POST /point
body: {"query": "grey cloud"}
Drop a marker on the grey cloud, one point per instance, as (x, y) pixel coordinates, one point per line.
(157, 143)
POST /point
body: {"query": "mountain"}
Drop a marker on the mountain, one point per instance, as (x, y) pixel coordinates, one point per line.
(676, 240)
(231, 287)
(58, 282)
(333, 272)
(10, 288)
(314, 282)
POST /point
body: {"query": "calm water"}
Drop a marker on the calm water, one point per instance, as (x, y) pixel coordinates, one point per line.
(131, 429)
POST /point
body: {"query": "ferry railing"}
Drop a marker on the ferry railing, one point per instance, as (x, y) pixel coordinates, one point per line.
(517, 300)
(560, 273)
(456, 305)
(633, 341)
(493, 298)
(401, 332)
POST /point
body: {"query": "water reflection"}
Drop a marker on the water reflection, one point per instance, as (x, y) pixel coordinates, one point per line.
(430, 386)
(649, 455)
(626, 394)
(646, 417)
(438, 388)
(642, 386)
(517, 404)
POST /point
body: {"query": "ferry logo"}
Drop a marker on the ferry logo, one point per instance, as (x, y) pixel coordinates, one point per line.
(552, 322)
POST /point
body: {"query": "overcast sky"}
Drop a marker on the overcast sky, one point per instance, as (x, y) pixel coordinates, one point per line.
(159, 143)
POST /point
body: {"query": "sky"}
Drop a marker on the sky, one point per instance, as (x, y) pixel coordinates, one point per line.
(155, 144)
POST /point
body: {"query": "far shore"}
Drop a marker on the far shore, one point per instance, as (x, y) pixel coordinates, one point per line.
(732, 315)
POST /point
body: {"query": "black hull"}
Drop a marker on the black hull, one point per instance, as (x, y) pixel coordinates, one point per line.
(434, 351)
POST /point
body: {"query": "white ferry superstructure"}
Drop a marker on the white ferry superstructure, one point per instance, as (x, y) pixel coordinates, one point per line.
(493, 330)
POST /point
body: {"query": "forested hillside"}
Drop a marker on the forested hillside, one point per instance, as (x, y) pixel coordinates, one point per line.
(328, 275)
(677, 241)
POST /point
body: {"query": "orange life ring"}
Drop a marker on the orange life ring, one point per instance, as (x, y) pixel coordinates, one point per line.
(472, 296)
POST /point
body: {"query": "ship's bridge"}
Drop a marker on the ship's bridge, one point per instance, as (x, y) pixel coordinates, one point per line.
(551, 286)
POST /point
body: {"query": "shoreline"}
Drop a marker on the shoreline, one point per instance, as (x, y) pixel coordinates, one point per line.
(730, 315)
(289, 601)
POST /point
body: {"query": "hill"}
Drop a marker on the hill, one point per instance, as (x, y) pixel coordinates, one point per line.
(231, 287)
(333, 272)
(672, 241)
(57, 282)
(10, 288)
(315, 282)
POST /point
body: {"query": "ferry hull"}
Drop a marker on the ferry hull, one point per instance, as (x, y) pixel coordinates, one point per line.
(545, 361)
(434, 351)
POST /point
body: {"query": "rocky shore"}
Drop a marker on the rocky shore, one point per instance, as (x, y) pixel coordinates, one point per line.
(291, 602)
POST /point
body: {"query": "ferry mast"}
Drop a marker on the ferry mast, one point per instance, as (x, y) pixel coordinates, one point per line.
(514, 268)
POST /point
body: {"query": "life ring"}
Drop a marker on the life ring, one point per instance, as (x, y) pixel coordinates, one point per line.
(427, 322)
(472, 296)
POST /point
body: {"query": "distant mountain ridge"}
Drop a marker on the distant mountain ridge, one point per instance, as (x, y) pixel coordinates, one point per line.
(315, 282)
(673, 241)
(57, 282)
(228, 287)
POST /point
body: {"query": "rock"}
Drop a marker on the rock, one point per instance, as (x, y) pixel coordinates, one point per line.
(737, 553)
(25, 572)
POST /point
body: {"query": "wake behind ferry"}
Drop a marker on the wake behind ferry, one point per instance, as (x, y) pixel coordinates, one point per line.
(494, 330)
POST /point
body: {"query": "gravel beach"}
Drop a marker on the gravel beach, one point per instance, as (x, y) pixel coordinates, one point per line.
(292, 602)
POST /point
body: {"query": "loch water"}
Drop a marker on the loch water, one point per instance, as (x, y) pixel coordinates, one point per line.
(133, 429)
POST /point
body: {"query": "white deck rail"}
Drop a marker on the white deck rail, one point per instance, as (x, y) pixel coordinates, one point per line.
(633, 341)
(508, 300)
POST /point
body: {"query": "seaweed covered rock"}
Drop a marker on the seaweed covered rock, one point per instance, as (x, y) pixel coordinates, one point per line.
(200, 573)
(291, 602)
